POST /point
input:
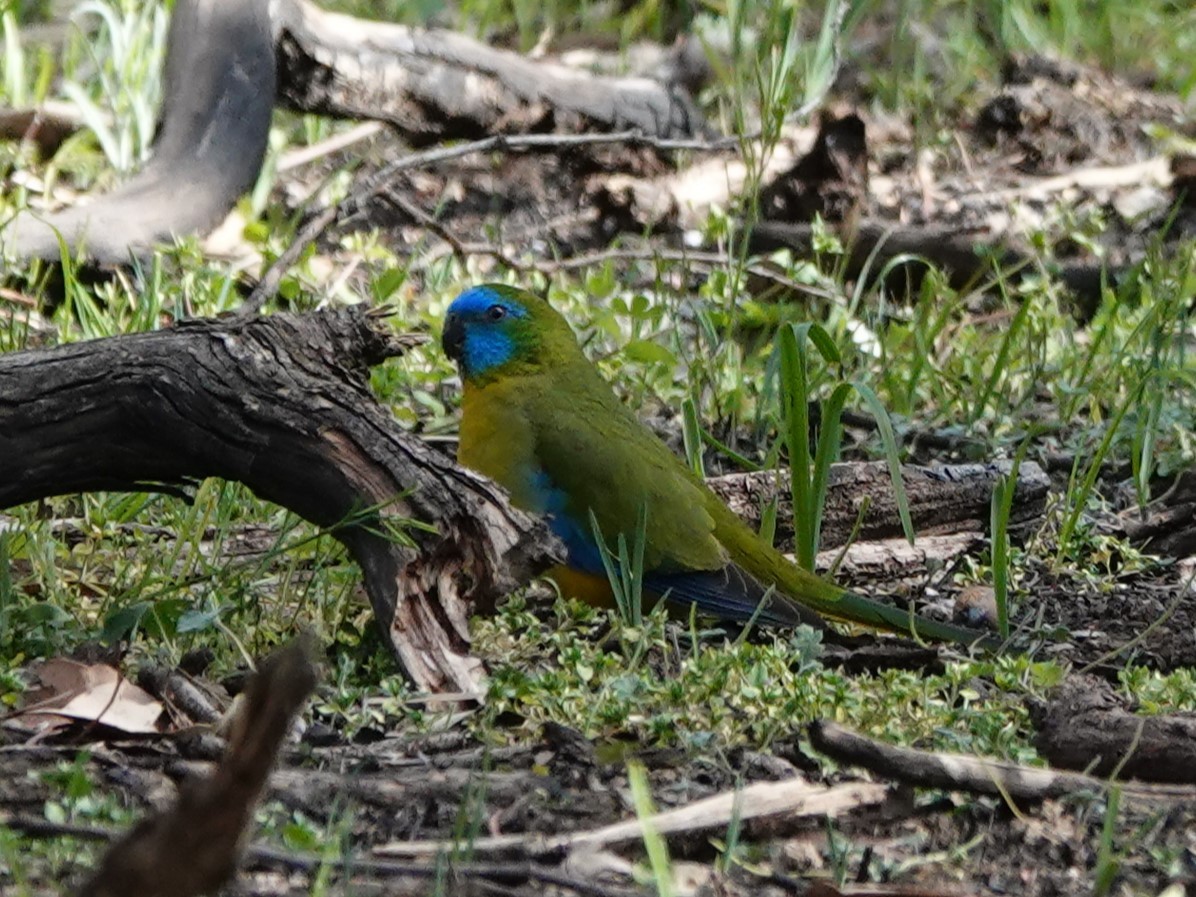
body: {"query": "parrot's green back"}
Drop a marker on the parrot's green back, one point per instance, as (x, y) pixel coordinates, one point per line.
(539, 419)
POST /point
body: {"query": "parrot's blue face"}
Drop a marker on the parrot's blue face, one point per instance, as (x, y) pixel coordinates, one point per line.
(483, 330)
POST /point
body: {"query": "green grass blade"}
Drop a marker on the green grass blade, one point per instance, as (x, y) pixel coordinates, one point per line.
(892, 455)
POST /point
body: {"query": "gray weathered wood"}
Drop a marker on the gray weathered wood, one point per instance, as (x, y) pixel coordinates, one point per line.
(282, 405)
(952, 498)
(434, 85)
(1086, 725)
(218, 102)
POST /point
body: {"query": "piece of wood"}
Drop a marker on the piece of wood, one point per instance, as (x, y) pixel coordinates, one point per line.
(215, 121)
(282, 405)
(961, 772)
(791, 797)
(434, 85)
(46, 125)
(193, 847)
(952, 498)
(895, 560)
(1087, 725)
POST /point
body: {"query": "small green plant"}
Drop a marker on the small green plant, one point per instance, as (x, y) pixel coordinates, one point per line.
(625, 568)
(731, 845)
(1108, 858)
(654, 844)
(1001, 508)
(126, 56)
(810, 476)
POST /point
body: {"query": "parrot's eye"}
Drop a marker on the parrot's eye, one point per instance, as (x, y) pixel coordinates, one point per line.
(496, 312)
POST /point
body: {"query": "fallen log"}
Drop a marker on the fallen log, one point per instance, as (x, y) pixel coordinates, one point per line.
(952, 498)
(1087, 725)
(433, 85)
(282, 405)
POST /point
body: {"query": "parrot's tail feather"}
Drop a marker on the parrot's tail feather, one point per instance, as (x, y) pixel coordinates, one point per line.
(730, 594)
(852, 608)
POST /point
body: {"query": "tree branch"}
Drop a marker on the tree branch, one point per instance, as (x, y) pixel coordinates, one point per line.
(280, 404)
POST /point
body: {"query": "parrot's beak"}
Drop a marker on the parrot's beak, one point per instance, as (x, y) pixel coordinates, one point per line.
(452, 340)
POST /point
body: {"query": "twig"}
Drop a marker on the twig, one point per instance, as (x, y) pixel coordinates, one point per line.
(961, 772)
(704, 259)
(380, 180)
(459, 249)
(17, 298)
(40, 827)
(308, 154)
(515, 870)
(795, 797)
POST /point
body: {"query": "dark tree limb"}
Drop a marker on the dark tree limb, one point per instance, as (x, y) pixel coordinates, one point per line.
(905, 252)
(280, 404)
(207, 823)
(434, 85)
(1086, 725)
(952, 498)
(215, 120)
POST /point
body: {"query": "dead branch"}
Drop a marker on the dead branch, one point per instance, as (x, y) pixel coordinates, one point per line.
(281, 405)
(434, 85)
(961, 772)
(1086, 725)
(215, 120)
(952, 498)
(207, 823)
(791, 797)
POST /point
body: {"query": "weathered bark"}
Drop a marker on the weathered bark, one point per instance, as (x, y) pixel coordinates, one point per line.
(208, 821)
(227, 59)
(215, 120)
(961, 772)
(1087, 726)
(434, 85)
(281, 405)
(953, 498)
(894, 561)
(1167, 527)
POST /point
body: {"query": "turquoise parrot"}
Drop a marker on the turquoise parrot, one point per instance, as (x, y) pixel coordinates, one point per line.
(538, 418)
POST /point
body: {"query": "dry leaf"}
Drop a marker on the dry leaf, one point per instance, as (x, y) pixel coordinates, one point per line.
(69, 690)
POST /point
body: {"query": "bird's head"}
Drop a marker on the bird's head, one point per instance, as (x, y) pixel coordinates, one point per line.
(493, 329)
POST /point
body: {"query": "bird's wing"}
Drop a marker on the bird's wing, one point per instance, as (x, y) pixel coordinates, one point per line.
(600, 459)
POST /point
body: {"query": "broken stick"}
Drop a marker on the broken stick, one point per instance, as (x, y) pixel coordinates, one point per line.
(193, 847)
